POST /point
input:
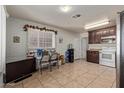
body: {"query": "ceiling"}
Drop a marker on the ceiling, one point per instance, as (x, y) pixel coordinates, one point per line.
(52, 15)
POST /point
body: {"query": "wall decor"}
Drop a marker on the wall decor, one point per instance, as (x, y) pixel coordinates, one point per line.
(60, 40)
(16, 39)
(39, 28)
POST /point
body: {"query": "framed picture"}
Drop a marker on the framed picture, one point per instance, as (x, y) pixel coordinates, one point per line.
(60, 40)
(16, 39)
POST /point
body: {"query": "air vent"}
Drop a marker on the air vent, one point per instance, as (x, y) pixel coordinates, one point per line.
(76, 16)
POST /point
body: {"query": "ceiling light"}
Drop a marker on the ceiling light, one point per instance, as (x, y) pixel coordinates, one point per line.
(97, 24)
(65, 8)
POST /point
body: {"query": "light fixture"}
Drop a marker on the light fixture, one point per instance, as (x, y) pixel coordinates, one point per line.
(97, 24)
(65, 8)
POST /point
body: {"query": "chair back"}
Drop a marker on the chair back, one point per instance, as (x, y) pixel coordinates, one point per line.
(54, 56)
(45, 58)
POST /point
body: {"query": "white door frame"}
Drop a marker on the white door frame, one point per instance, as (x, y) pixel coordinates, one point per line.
(86, 46)
(2, 43)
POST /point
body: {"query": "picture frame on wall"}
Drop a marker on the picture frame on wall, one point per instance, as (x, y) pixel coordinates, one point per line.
(16, 39)
(60, 40)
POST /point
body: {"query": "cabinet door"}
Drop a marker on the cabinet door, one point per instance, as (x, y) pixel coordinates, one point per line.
(94, 37)
(91, 37)
(105, 32)
(89, 33)
(112, 31)
(98, 37)
(93, 56)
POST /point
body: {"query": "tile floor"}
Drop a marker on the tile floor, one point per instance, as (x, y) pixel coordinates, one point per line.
(80, 74)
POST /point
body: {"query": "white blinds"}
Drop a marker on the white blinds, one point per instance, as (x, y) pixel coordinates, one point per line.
(33, 38)
(40, 39)
(48, 39)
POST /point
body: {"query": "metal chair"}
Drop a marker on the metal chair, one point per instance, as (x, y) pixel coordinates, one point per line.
(45, 60)
(54, 58)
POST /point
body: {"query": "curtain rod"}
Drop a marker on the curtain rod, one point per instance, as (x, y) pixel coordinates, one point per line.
(39, 28)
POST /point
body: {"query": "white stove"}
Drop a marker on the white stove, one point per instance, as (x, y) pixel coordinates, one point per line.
(107, 56)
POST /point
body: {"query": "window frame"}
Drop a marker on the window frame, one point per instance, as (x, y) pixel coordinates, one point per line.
(38, 39)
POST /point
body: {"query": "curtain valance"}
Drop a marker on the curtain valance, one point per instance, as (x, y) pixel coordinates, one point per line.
(38, 28)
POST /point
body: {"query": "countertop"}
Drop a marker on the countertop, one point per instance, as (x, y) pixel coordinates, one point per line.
(94, 49)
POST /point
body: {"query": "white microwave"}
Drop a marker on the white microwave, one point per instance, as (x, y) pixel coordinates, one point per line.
(108, 40)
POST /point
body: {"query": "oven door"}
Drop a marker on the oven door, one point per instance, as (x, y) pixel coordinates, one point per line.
(107, 58)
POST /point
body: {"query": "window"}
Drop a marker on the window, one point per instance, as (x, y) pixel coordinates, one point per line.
(40, 39)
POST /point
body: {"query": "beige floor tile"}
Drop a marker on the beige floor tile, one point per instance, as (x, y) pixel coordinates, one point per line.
(46, 79)
(57, 76)
(64, 80)
(51, 84)
(97, 86)
(14, 85)
(90, 76)
(100, 83)
(95, 72)
(110, 78)
(19, 86)
(84, 81)
(114, 85)
(35, 83)
(29, 79)
(73, 84)
(72, 76)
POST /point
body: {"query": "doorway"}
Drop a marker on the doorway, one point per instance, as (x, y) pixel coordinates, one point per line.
(84, 47)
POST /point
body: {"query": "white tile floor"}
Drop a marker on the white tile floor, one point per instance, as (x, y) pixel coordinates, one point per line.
(80, 74)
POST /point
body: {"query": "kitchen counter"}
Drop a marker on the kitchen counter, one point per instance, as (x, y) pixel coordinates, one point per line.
(94, 49)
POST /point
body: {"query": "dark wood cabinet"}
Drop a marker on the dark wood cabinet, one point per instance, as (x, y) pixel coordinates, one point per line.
(19, 69)
(95, 36)
(91, 37)
(93, 56)
(112, 31)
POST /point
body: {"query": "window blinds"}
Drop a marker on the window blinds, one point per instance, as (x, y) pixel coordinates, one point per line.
(40, 39)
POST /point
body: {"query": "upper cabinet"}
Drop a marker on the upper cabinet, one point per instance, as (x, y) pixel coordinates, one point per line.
(95, 36)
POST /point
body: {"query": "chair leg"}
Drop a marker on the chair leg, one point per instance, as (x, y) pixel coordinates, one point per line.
(50, 67)
(41, 69)
(58, 64)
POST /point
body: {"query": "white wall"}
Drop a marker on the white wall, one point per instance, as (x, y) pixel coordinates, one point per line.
(2, 43)
(17, 51)
(85, 34)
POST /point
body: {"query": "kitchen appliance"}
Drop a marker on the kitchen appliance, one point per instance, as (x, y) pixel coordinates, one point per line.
(107, 56)
(108, 40)
(70, 55)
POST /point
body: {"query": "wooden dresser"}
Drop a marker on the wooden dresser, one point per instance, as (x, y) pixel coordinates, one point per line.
(18, 69)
